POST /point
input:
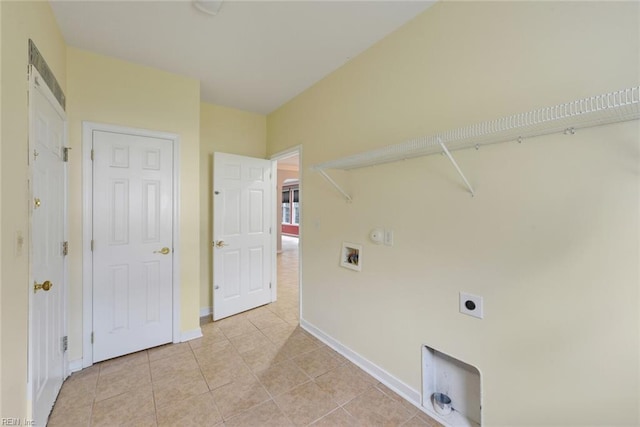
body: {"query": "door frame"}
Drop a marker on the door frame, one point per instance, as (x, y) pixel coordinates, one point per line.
(87, 226)
(274, 223)
(48, 94)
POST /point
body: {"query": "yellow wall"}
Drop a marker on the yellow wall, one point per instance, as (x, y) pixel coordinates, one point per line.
(550, 240)
(223, 130)
(1, 233)
(19, 22)
(107, 90)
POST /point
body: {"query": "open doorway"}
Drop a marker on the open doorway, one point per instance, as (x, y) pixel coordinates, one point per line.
(288, 208)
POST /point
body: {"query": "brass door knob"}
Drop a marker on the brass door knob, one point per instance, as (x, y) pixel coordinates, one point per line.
(219, 243)
(163, 251)
(44, 286)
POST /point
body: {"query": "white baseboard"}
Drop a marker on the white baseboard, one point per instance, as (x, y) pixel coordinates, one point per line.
(206, 311)
(75, 365)
(190, 335)
(408, 393)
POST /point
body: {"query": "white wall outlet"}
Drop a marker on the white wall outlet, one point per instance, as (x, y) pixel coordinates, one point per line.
(388, 237)
(471, 305)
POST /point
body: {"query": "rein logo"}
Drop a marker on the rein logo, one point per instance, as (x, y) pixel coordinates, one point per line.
(16, 422)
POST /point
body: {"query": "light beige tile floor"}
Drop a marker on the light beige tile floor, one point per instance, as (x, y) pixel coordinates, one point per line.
(257, 368)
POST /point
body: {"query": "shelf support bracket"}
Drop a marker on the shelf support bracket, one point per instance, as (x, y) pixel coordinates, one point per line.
(335, 184)
(448, 154)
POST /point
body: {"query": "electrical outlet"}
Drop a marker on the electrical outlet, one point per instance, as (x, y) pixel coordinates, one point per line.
(471, 305)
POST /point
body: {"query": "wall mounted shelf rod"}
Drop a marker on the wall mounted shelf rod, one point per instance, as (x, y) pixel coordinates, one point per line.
(612, 107)
(335, 184)
(446, 151)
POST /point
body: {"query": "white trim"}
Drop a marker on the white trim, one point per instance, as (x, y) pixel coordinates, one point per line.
(176, 238)
(87, 230)
(274, 270)
(274, 229)
(75, 366)
(87, 201)
(206, 311)
(191, 335)
(67, 369)
(398, 386)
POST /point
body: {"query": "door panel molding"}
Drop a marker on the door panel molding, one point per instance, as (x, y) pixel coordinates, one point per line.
(88, 128)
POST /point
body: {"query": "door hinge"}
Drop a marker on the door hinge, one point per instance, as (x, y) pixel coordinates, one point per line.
(65, 248)
(65, 343)
(91, 245)
(65, 154)
(269, 285)
(92, 154)
(92, 337)
(269, 230)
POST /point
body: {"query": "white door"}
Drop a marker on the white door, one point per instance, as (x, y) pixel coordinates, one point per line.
(48, 192)
(242, 241)
(132, 243)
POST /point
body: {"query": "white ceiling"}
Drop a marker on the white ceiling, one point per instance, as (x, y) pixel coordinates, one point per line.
(253, 55)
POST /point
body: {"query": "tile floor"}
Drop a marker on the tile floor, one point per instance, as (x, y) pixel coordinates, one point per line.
(257, 368)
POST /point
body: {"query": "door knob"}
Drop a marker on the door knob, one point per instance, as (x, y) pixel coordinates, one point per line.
(219, 243)
(163, 251)
(44, 286)
(36, 203)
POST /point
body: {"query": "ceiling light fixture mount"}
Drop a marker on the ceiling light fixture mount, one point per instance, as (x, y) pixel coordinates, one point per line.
(210, 7)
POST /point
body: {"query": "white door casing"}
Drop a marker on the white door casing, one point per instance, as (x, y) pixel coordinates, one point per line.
(47, 307)
(133, 292)
(242, 253)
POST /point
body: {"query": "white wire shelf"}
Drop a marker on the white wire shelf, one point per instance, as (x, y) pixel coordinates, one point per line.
(613, 107)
